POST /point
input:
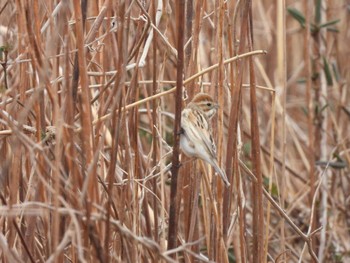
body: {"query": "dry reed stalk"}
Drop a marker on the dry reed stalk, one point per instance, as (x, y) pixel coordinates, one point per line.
(155, 122)
(258, 211)
(220, 90)
(175, 196)
(281, 83)
(92, 185)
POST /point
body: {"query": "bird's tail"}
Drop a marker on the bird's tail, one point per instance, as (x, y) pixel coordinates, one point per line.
(221, 173)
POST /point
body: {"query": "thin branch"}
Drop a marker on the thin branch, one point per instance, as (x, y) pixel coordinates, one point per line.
(173, 213)
(306, 237)
(161, 94)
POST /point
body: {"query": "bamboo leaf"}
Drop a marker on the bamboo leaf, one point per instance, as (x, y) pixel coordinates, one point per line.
(2, 49)
(332, 29)
(329, 23)
(324, 107)
(314, 28)
(327, 72)
(274, 188)
(297, 15)
(305, 111)
(335, 71)
(318, 12)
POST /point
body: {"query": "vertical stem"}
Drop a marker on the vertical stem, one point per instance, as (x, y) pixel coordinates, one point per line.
(188, 29)
(271, 172)
(115, 130)
(226, 202)
(154, 130)
(220, 90)
(258, 213)
(281, 72)
(312, 132)
(86, 120)
(173, 214)
(232, 167)
(34, 42)
(323, 142)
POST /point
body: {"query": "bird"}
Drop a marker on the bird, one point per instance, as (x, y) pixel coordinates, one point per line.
(196, 134)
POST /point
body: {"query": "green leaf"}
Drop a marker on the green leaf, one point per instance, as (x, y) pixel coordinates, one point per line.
(247, 147)
(329, 23)
(314, 28)
(335, 71)
(332, 29)
(324, 107)
(4, 49)
(231, 255)
(305, 111)
(318, 12)
(297, 15)
(274, 189)
(327, 72)
(301, 80)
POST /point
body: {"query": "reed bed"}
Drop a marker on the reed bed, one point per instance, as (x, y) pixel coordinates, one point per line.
(90, 99)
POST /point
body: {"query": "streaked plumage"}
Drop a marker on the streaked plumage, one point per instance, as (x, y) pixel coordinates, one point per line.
(196, 139)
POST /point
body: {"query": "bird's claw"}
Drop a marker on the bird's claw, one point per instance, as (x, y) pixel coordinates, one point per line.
(181, 131)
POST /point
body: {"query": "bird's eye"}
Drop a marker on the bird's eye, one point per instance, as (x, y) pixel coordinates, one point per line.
(208, 104)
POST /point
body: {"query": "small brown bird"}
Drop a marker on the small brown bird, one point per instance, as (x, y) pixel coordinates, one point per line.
(196, 138)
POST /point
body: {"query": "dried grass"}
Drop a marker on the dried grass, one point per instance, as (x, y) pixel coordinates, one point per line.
(87, 114)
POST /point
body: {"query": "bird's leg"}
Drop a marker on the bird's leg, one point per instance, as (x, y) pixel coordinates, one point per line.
(179, 165)
(181, 131)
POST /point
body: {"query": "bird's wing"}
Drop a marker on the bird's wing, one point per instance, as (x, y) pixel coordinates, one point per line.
(198, 129)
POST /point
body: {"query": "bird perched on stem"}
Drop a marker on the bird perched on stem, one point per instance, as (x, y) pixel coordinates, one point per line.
(196, 138)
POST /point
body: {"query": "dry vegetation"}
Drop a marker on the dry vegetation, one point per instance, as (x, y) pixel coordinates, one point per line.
(87, 110)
